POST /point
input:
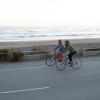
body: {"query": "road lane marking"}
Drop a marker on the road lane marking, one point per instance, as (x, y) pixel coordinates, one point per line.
(8, 69)
(25, 90)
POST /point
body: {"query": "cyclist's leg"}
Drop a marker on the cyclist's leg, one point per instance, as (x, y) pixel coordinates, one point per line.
(70, 58)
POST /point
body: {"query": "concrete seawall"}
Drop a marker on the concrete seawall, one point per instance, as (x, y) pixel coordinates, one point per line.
(43, 56)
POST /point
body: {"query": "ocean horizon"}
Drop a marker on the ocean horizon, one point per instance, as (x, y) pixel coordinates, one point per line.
(47, 33)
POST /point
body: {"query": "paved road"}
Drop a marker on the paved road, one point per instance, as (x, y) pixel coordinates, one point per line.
(36, 81)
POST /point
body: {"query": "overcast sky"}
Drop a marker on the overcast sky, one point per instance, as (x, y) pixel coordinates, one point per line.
(49, 12)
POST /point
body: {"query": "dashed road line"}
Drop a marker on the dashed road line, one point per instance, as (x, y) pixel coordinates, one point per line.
(25, 90)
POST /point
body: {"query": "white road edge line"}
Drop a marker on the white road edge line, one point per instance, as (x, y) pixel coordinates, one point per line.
(22, 68)
(26, 90)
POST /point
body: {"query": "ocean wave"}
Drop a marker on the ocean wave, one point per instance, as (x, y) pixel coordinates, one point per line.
(46, 33)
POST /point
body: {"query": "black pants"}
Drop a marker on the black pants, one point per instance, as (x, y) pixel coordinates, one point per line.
(70, 55)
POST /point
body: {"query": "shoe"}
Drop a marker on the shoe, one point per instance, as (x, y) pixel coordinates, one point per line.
(71, 64)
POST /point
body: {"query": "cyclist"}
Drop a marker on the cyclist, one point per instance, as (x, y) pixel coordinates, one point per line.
(69, 48)
(60, 46)
(58, 50)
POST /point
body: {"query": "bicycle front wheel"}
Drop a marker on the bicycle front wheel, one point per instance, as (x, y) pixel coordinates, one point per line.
(61, 65)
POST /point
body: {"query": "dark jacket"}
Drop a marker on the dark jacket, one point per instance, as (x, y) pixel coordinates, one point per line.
(69, 48)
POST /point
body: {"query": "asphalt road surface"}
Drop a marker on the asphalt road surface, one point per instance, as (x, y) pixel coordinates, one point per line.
(36, 81)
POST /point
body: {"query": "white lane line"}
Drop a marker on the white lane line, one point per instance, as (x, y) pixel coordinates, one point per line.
(26, 90)
(21, 68)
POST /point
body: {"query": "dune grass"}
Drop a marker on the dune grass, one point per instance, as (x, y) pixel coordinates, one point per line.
(11, 55)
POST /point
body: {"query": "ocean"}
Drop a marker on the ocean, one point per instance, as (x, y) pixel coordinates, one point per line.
(47, 33)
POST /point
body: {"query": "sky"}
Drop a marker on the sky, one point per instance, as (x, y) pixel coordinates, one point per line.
(49, 13)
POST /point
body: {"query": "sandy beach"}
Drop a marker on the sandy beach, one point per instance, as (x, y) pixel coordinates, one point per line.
(26, 45)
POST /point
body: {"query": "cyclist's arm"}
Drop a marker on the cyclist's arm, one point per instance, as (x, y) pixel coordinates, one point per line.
(56, 47)
(65, 50)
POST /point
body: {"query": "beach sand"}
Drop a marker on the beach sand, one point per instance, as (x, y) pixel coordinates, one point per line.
(28, 45)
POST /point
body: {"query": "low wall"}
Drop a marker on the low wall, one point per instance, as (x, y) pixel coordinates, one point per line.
(43, 56)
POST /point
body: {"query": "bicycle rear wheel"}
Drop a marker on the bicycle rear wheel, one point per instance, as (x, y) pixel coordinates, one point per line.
(50, 60)
(76, 61)
(61, 65)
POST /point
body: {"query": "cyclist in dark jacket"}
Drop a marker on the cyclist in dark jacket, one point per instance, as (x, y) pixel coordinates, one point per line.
(69, 48)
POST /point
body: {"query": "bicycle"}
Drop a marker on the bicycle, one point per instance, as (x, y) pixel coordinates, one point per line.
(62, 64)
